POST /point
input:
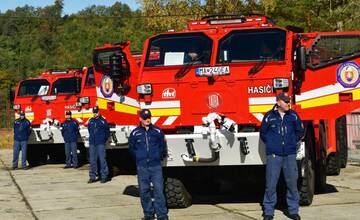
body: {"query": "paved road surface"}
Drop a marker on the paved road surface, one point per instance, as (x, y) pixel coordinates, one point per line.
(50, 192)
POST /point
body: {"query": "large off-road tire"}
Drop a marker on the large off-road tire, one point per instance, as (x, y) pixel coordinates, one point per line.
(320, 169)
(306, 182)
(56, 153)
(176, 194)
(333, 164)
(35, 155)
(341, 140)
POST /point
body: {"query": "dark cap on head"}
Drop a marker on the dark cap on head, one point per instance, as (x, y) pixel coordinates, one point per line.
(68, 113)
(22, 113)
(95, 109)
(283, 96)
(145, 114)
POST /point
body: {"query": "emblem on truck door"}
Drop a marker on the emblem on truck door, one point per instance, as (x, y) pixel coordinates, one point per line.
(347, 74)
(106, 86)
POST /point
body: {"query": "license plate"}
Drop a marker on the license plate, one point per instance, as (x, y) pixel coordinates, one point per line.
(213, 71)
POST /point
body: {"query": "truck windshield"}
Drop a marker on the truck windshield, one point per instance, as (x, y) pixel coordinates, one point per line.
(66, 86)
(252, 45)
(179, 49)
(34, 87)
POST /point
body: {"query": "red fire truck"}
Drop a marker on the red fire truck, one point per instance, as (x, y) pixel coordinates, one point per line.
(209, 86)
(45, 99)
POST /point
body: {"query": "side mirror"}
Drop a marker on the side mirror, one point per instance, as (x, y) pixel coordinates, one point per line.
(301, 57)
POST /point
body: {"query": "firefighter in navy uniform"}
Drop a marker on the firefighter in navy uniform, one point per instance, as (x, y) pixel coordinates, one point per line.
(22, 131)
(147, 146)
(70, 132)
(281, 130)
(99, 133)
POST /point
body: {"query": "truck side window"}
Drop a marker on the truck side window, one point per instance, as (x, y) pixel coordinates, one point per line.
(33, 87)
(90, 78)
(179, 49)
(329, 49)
(252, 45)
(66, 86)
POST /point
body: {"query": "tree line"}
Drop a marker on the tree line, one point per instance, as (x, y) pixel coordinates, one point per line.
(35, 39)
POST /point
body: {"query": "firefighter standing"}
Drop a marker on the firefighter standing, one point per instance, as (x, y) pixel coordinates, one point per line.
(70, 132)
(99, 133)
(281, 130)
(147, 145)
(22, 132)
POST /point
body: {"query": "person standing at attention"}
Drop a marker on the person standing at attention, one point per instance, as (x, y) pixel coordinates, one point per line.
(281, 130)
(99, 133)
(147, 146)
(70, 132)
(22, 131)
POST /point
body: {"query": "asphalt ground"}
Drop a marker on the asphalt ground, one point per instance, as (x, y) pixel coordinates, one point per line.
(51, 192)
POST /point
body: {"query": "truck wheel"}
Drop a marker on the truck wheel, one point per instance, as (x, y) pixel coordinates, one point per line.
(320, 169)
(341, 140)
(307, 180)
(333, 164)
(57, 154)
(176, 194)
(33, 155)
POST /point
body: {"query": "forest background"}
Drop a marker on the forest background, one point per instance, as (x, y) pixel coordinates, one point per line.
(36, 39)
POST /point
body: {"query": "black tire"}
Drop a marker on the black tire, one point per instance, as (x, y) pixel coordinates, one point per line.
(341, 140)
(333, 164)
(320, 169)
(176, 194)
(306, 183)
(33, 155)
(56, 154)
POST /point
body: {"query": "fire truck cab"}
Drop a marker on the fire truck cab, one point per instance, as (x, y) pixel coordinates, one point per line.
(45, 99)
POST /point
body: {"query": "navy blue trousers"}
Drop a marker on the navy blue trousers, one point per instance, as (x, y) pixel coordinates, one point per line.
(147, 175)
(98, 152)
(71, 154)
(290, 170)
(19, 146)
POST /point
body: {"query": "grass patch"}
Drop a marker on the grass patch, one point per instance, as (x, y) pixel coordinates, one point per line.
(6, 138)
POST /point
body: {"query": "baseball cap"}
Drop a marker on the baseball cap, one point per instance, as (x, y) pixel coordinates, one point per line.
(22, 113)
(145, 114)
(283, 96)
(95, 109)
(68, 113)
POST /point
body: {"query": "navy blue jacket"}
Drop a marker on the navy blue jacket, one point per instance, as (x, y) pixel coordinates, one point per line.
(22, 129)
(281, 135)
(99, 131)
(70, 130)
(147, 146)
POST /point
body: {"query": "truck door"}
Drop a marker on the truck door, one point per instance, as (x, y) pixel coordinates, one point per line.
(331, 82)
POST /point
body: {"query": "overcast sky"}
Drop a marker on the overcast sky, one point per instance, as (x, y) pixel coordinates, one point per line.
(70, 6)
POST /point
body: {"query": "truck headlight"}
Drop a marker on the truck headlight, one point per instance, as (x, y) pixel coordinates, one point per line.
(16, 107)
(84, 100)
(280, 83)
(144, 89)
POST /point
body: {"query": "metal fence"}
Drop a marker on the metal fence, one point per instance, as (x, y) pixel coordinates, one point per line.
(353, 129)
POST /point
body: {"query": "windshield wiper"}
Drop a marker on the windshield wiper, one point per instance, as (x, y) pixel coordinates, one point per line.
(257, 67)
(186, 68)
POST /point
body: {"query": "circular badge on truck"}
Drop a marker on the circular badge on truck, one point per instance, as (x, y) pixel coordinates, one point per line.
(348, 74)
(107, 86)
